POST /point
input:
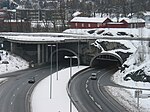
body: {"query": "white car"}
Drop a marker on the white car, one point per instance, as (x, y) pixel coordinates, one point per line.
(93, 76)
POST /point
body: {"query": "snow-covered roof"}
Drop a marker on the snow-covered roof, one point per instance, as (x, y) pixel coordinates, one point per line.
(147, 13)
(76, 13)
(88, 19)
(132, 20)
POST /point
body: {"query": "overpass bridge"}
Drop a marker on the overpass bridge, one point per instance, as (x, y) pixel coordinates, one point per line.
(39, 47)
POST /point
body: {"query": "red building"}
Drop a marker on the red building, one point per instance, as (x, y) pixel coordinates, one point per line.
(133, 22)
(89, 22)
(95, 22)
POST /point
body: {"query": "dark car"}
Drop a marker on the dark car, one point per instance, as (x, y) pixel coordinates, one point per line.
(31, 80)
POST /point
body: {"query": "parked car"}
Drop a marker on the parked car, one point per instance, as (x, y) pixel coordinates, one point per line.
(93, 76)
(31, 80)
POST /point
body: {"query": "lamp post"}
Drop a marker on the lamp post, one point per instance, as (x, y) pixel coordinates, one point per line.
(78, 50)
(51, 69)
(71, 57)
(57, 59)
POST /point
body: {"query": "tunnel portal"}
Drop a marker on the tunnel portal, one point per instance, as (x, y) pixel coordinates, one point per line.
(105, 60)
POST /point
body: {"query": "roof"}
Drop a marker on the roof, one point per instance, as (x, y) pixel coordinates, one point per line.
(147, 13)
(132, 20)
(88, 19)
(76, 13)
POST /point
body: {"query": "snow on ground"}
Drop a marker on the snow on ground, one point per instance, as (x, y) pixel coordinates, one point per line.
(138, 60)
(60, 101)
(14, 62)
(136, 32)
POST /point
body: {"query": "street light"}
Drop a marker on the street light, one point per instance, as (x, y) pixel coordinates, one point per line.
(51, 69)
(57, 59)
(71, 57)
(78, 50)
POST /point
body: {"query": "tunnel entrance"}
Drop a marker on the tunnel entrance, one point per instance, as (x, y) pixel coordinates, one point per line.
(62, 60)
(106, 60)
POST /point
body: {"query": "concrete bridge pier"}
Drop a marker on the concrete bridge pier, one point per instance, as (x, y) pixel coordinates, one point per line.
(42, 54)
(12, 47)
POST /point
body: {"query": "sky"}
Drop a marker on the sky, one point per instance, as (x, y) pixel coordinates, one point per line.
(40, 95)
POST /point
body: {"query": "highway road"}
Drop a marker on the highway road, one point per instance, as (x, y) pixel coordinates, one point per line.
(90, 96)
(14, 92)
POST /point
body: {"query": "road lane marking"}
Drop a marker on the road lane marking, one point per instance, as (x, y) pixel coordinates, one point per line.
(11, 103)
(87, 81)
(87, 91)
(91, 97)
(98, 105)
(86, 85)
(4, 81)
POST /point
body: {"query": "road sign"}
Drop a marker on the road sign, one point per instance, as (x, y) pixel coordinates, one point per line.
(144, 96)
(137, 93)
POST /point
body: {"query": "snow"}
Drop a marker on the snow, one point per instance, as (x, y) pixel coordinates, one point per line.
(147, 13)
(88, 19)
(130, 20)
(15, 62)
(60, 100)
(76, 13)
(137, 32)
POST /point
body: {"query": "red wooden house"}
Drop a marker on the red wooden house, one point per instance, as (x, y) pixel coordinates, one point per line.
(89, 22)
(95, 22)
(133, 22)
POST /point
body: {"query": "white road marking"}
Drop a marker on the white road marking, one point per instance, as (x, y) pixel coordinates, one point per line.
(87, 91)
(87, 81)
(3, 81)
(86, 85)
(91, 97)
(98, 105)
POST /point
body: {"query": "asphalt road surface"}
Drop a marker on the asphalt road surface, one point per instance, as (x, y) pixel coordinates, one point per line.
(14, 92)
(90, 96)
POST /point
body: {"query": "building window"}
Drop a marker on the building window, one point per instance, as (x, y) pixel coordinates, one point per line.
(76, 24)
(89, 25)
(82, 24)
(99, 24)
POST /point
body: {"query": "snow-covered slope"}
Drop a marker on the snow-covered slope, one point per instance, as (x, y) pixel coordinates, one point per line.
(14, 62)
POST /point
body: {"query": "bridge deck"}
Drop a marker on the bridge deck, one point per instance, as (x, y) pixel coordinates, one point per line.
(36, 38)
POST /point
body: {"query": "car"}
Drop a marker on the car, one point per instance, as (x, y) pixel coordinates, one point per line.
(93, 76)
(31, 80)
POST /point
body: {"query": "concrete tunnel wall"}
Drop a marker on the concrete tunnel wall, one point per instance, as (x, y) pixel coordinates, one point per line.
(115, 56)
